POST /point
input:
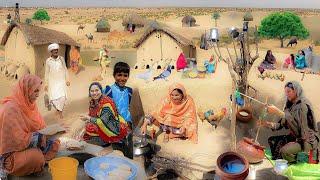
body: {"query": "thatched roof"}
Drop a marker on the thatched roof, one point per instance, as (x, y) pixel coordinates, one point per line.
(103, 23)
(188, 19)
(133, 18)
(155, 26)
(36, 35)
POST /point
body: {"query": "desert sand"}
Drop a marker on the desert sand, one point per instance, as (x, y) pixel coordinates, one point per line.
(210, 92)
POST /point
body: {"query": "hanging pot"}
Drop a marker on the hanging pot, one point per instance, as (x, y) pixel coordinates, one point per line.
(234, 32)
(203, 42)
(252, 151)
(214, 35)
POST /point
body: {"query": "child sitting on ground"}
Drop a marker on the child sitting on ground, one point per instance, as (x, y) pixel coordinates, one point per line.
(289, 62)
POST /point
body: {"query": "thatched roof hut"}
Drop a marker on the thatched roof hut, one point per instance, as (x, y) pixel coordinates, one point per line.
(35, 35)
(154, 26)
(160, 45)
(188, 21)
(134, 20)
(28, 44)
(103, 25)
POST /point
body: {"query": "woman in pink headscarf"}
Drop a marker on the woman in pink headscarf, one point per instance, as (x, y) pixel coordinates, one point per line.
(23, 150)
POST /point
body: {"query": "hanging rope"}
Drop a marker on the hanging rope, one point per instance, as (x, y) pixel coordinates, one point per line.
(262, 117)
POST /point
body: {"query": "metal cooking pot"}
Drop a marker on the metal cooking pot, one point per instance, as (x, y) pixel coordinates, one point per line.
(140, 146)
(214, 35)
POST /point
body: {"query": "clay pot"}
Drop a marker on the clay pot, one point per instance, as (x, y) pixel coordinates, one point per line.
(227, 157)
(252, 151)
(243, 118)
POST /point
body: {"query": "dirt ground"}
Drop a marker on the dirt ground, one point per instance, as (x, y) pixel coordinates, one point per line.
(211, 92)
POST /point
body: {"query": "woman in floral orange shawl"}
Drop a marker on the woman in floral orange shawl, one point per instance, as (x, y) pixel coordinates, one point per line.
(177, 117)
(22, 149)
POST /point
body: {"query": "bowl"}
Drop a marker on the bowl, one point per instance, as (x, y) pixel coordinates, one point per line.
(244, 114)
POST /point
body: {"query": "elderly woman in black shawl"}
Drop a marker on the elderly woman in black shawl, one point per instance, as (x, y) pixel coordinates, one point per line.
(268, 63)
(298, 117)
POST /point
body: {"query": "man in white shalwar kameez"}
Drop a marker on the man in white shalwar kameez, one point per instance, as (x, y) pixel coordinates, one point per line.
(56, 79)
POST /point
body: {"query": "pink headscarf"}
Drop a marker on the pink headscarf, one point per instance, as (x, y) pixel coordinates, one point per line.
(19, 117)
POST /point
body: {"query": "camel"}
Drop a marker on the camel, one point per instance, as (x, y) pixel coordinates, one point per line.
(80, 27)
(90, 37)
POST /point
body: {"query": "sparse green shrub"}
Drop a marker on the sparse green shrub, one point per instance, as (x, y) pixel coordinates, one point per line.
(28, 21)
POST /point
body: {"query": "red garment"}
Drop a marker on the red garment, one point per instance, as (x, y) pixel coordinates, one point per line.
(181, 62)
(94, 130)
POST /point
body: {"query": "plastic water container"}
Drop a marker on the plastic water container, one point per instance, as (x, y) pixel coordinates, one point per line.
(63, 168)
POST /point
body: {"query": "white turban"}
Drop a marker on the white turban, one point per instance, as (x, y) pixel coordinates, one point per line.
(53, 46)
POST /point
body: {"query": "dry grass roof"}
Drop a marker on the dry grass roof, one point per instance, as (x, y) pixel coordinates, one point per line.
(155, 26)
(133, 18)
(103, 23)
(36, 35)
(188, 19)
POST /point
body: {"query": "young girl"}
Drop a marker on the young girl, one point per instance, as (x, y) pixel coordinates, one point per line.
(300, 60)
(289, 62)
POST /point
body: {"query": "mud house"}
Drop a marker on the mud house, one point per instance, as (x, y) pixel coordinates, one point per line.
(160, 46)
(188, 21)
(28, 44)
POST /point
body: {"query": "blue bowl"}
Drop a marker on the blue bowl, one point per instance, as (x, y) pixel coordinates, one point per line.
(92, 166)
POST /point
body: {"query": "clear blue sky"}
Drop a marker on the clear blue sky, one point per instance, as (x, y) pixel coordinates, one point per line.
(166, 3)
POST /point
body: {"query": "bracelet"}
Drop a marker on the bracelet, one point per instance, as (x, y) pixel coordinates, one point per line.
(149, 119)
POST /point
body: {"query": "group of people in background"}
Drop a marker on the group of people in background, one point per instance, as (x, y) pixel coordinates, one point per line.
(297, 61)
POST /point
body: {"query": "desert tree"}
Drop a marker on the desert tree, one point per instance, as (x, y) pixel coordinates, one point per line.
(239, 65)
(215, 17)
(41, 15)
(282, 25)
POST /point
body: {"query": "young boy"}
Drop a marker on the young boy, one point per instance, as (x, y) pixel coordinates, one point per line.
(121, 95)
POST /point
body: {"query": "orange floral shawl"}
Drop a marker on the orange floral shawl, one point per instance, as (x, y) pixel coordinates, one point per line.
(19, 118)
(182, 115)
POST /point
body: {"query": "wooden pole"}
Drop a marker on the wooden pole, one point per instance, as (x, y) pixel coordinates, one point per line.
(253, 99)
(233, 119)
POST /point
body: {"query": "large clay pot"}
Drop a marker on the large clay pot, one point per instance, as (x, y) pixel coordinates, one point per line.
(252, 151)
(242, 118)
(227, 157)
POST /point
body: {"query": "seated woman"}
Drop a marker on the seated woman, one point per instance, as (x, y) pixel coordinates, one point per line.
(289, 62)
(210, 65)
(23, 150)
(176, 116)
(104, 124)
(300, 60)
(299, 119)
(269, 61)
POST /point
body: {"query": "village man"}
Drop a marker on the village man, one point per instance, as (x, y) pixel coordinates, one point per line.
(56, 79)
